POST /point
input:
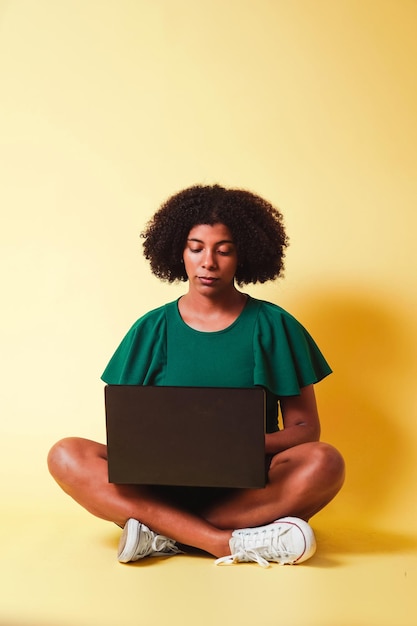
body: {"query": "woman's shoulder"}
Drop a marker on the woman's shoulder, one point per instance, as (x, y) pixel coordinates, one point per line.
(269, 311)
(286, 356)
(152, 318)
(141, 355)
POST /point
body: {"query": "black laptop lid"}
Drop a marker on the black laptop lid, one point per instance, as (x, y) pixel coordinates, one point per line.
(186, 436)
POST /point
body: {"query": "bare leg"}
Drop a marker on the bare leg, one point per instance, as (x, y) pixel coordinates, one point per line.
(80, 467)
(302, 480)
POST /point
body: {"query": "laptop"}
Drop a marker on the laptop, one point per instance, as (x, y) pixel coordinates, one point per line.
(186, 436)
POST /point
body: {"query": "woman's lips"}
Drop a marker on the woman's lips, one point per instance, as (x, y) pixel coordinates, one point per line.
(207, 280)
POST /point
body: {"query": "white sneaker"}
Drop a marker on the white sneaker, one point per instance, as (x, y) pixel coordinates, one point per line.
(289, 540)
(138, 541)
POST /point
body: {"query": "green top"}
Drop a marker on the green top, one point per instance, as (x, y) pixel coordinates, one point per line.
(264, 346)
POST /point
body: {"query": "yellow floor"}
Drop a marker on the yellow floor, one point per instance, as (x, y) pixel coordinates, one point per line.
(58, 568)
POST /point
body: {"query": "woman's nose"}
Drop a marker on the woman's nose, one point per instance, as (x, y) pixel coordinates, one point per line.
(209, 259)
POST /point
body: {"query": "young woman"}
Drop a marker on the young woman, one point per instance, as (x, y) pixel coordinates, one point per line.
(217, 240)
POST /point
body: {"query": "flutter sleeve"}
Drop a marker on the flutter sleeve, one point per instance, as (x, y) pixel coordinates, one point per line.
(286, 356)
(140, 358)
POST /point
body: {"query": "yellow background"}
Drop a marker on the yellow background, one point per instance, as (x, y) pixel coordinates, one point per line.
(106, 108)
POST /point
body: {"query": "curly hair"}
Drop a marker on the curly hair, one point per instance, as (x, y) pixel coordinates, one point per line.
(256, 226)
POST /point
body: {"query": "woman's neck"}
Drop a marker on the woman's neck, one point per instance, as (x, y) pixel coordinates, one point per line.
(210, 314)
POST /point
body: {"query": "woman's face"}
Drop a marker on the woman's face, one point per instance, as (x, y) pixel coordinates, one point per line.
(210, 258)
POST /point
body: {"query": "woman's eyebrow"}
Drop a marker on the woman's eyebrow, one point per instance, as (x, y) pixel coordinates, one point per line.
(218, 243)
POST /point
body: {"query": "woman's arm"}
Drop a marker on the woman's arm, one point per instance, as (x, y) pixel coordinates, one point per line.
(301, 422)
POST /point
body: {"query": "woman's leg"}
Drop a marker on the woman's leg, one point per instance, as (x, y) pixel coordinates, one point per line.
(80, 467)
(301, 481)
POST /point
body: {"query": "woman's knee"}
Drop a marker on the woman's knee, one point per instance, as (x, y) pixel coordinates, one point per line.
(66, 455)
(59, 455)
(329, 462)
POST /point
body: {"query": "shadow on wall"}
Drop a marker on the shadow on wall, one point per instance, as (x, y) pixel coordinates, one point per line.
(363, 405)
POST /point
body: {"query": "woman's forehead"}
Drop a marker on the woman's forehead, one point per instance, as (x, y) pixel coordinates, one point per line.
(211, 232)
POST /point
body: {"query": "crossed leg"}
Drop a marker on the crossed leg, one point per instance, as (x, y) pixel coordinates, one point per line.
(301, 481)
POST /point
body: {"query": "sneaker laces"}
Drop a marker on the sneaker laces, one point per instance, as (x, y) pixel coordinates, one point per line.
(242, 555)
(260, 545)
(146, 541)
(163, 546)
